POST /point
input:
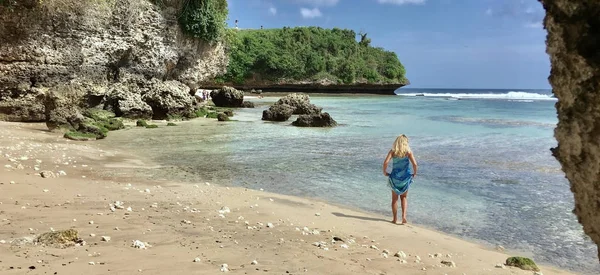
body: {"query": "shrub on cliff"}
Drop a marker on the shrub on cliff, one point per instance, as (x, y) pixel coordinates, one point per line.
(310, 54)
(204, 19)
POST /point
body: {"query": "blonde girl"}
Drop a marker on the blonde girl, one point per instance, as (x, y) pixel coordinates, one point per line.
(401, 176)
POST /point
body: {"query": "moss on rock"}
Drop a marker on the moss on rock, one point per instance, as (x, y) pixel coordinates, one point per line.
(212, 115)
(141, 123)
(522, 263)
(99, 114)
(171, 124)
(151, 126)
(79, 136)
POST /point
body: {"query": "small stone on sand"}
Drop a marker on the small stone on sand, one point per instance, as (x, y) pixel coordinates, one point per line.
(105, 238)
(270, 225)
(91, 222)
(197, 260)
(224, 268)
(254, 262)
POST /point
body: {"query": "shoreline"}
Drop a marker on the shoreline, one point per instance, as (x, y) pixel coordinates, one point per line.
(97, 176)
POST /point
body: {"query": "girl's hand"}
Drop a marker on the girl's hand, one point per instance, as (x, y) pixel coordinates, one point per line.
(414, 175)
(386, 174)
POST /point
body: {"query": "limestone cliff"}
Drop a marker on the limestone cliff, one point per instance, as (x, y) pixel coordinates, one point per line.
(573, 45)
(97, 45)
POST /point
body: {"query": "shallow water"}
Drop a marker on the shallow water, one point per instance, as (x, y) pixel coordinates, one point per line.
(485, 167)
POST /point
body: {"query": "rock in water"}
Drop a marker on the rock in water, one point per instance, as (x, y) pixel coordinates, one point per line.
(278, 112)
(316, 120)
(64, 238)
(227, 97)
(295, 100)
(522, 263)
(247, 104)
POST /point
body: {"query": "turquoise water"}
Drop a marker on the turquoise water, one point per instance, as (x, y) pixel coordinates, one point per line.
(485, 167)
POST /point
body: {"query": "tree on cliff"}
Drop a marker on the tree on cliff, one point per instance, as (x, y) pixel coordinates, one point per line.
(310, 54)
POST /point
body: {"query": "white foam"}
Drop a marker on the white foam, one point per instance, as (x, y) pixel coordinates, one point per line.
(511, 95)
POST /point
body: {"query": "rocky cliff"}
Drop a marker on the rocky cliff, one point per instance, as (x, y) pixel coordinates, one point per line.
(127, 47)
(573, 45)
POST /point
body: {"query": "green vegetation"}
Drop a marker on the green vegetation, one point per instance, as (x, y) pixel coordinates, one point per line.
(141, 123)
(204, 19)
(212, 115)
(310, 54)
(522, 263)
(171, 124)
(79, 135)
(151, 126)
(202, 112)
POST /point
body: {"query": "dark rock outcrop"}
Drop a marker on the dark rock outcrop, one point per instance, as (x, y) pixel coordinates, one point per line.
(126, 101)
(315, 120)
(227, 97)
(573, 41)
(278, 112)
(170, 98)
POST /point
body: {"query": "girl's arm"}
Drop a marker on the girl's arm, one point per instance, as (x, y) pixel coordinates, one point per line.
(411, 157)
(385, 163)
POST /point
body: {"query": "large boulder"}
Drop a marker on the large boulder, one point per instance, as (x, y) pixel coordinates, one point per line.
(126, 101)
(170, 98)
(278, 112)
(315, 120)
(227, 97)
(63, 105)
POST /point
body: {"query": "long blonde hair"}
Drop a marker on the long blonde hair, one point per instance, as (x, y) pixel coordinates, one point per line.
(401, 147)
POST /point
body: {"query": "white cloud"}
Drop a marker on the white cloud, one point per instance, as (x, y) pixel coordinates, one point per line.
(489, 11)
(273, 10)
(401, 2)
(310, 13)
(318, 3)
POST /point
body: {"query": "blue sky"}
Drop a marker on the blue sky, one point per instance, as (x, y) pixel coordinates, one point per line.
(442, 43)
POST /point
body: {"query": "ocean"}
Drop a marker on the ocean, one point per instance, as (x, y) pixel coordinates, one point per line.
(486, 172)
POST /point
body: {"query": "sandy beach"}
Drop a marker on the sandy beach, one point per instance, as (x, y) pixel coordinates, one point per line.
(195, 228)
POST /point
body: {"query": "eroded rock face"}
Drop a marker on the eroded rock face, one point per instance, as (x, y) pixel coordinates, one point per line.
(22, 105)
(47, 43)
(227, 97)
(573, 43)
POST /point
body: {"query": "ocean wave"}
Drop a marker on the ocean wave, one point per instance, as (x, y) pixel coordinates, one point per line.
(491, 121)
(511, 95)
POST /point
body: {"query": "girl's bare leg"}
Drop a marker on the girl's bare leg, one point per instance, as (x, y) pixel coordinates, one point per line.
(395, 207)
(404, 202)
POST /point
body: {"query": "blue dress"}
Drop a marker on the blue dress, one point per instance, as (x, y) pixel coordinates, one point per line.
(401, 176)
